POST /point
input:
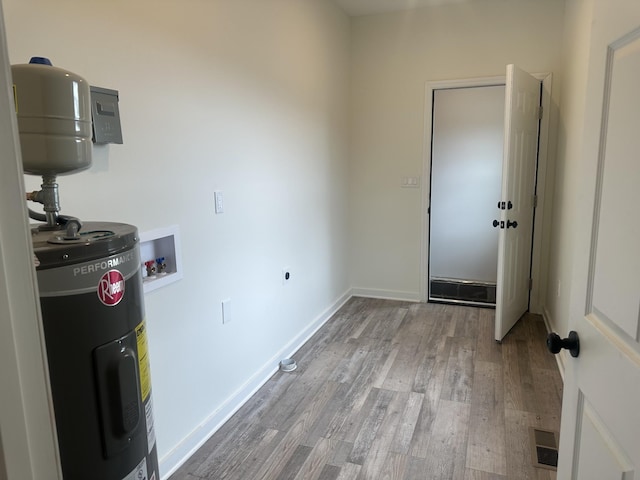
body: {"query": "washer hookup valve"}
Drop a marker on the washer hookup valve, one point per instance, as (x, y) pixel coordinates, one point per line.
(151, 268)
(162, 266)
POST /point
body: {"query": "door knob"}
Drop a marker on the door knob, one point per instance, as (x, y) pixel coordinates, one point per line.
(513, 224)
(571, 343)
(496, 223)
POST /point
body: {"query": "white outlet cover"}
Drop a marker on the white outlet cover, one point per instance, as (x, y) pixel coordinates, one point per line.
(219, 202)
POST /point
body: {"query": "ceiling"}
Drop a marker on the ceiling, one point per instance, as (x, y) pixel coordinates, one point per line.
(369, 7)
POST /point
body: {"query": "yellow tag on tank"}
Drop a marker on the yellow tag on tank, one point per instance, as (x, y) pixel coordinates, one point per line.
(143, 361)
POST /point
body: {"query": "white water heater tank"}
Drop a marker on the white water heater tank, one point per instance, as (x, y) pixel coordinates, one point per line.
(53, 107)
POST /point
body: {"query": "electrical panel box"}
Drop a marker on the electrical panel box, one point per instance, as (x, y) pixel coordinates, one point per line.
(106, 116)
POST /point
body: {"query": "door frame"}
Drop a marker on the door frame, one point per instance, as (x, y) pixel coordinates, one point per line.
(27, 425)
(540, 233)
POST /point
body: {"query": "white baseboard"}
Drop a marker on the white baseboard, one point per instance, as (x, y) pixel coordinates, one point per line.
(386, 294)
(560, 357)
(170, 462)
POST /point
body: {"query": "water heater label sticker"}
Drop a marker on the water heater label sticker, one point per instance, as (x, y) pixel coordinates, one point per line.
(138, 473)
(143, 361)
(151, 433)
(111, 288)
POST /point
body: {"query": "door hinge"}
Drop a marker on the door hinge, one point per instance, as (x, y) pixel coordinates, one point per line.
(540, 112)
(535, 201)
(531, 284)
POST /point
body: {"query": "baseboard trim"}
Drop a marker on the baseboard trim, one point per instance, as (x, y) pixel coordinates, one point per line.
(173, 460)
(546, 316)
(386, 294)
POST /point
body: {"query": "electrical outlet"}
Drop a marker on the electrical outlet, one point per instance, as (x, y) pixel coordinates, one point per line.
(286, 275)
(219, 202)
(410, 182)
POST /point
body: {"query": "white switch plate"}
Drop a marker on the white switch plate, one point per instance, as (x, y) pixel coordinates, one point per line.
(219, 202)
(226, 311)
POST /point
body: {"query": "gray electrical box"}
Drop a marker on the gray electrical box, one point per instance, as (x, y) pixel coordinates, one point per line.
(106, 116)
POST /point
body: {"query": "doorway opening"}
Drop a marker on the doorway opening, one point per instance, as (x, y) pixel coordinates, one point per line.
(470, 290)
(466, 172)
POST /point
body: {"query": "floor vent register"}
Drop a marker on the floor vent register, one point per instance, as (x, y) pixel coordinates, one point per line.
(544, 448)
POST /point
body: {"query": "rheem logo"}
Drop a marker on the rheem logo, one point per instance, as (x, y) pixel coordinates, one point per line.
(111, 288)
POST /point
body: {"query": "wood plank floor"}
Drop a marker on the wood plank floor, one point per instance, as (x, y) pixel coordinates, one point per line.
(396, 390)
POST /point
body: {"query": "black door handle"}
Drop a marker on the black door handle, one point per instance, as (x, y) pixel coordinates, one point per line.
(496, 223)
(513, 224)
(571, 343)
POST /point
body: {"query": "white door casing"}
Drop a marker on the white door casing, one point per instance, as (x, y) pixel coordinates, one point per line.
(522, 107)
(600, 431)
(537, 249)
(27, 427)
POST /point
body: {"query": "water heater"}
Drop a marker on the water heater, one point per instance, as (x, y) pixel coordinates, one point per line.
(91, 295)
(93, 316)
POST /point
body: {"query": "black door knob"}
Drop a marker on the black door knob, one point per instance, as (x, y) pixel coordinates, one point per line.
(513, 224)
(496, 223)
(571, 343)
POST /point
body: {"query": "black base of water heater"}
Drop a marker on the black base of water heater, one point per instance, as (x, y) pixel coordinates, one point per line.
(93, 315)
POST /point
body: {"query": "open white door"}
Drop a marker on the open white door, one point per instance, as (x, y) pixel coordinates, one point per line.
(600, 432)
(521, 121)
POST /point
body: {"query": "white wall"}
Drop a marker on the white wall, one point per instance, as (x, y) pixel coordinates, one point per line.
(466, 180)
(393, 55)
(575, 55)
(245, 97)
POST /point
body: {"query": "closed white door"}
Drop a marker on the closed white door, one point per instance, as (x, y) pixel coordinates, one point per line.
(522, 107)
(600, 432)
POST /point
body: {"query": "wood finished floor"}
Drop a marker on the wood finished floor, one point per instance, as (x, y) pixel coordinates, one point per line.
(395, 390)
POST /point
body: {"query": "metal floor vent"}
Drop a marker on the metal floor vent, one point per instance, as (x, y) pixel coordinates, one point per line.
(544, 448)
(463, 291)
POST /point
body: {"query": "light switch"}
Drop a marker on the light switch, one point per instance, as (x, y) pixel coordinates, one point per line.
(226, 311)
